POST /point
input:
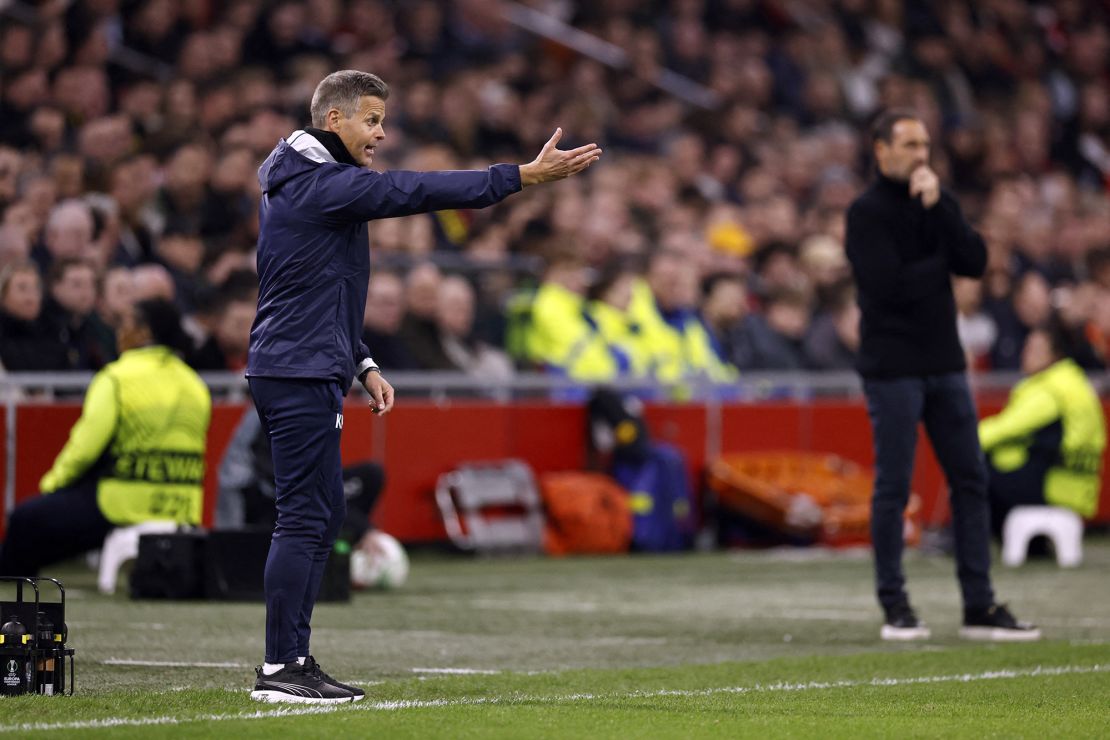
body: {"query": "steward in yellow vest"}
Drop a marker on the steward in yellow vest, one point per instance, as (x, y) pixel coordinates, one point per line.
(135, 455)
(1046, 445)
(680, 346)
(559, 338)
(607, 310)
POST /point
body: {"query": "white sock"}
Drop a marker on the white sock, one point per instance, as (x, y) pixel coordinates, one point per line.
(301, 660)
(269, 669)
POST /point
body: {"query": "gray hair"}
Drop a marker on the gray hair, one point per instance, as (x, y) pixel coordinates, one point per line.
(342, 90)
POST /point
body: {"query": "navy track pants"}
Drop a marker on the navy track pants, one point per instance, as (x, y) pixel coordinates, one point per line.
(303, 421)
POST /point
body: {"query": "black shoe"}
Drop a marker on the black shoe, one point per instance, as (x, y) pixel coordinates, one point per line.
(296, 685)
(312, 666)
(997, 624)
(903, 625)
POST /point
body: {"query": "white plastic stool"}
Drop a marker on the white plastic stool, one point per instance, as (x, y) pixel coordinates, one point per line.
(121, 545)
(1063, 526)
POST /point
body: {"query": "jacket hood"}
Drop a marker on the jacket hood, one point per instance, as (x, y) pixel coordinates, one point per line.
(295, 156)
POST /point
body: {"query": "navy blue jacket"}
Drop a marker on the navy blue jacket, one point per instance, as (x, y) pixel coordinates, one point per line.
(314, 256)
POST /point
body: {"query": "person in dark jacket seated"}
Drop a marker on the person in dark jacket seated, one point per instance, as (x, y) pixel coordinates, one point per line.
(226, 347)
(26, 341)
(772, 340)
(70, 310)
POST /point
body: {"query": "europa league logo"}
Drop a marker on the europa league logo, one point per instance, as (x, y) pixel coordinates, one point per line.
(12, 666)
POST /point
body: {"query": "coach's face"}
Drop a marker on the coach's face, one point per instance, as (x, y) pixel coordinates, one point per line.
(362, 131)
(908, 149)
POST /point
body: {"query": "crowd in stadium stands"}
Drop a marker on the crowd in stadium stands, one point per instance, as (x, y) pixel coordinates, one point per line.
(710, 241)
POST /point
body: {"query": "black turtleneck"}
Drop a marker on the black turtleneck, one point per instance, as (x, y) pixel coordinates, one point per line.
(903, 256)
(334, 145)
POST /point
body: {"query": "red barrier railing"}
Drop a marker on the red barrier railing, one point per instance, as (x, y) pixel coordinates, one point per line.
(422, 439)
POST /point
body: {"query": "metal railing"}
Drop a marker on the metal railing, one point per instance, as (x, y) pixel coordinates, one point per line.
(751, 386)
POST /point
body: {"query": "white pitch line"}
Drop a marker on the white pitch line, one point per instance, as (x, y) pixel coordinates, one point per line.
(169, 663)
(1002, 673)
(458, 671)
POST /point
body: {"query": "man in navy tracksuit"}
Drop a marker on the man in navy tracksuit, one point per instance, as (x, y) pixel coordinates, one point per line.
(905, 238)
(314, 266)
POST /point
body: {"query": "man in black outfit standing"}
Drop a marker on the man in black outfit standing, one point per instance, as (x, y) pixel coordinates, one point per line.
(905, 239)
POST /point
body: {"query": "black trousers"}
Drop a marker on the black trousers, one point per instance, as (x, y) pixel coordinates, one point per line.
(944, 404)
(48, 529)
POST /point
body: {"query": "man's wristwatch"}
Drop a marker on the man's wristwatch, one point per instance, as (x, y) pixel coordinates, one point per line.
(366, 367)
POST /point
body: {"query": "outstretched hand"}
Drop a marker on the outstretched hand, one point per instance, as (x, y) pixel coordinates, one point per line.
(556, 164)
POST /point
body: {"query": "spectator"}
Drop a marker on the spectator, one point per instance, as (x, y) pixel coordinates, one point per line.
(975, 326)
(182, 254)
(559, 339)
(184, 201)
(26, 341)
(418, 328)
(151, 281)
(832, 340)
(229, 321)
(116, 296)
(381, 325)
(226, 346)
(773, 340)
(14, 245)
(70, 311)
(724, 305)
(1075, 306)
(1030, 307)
(131, 186)
(607, 312)
(11, 164)
(821, 260)
(455, 324)
(69, 234)
(664, 308)
(776, 268)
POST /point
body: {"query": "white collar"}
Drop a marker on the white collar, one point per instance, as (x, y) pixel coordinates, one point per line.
(309, 146)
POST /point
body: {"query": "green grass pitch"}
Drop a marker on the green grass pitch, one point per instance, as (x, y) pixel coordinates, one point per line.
(779, 644)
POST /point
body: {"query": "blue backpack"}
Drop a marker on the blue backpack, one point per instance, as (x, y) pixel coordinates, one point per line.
(662, 509)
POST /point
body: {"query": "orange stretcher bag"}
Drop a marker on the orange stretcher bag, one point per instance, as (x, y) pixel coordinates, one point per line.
(817, 496)
(587, 513)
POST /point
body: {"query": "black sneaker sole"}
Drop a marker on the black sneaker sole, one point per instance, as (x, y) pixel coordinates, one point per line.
(273, 696)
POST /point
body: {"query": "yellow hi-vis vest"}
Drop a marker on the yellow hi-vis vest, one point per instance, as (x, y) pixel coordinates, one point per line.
(1061, 393)
(675, 355)
(560, 337)
(623, 335)
(142, 431)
